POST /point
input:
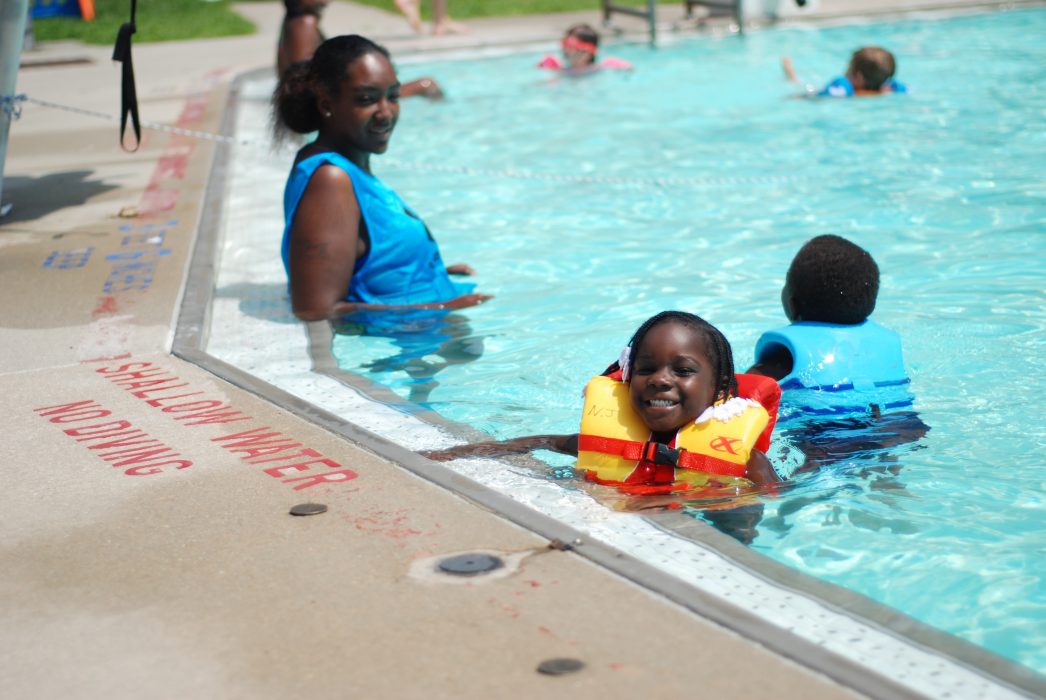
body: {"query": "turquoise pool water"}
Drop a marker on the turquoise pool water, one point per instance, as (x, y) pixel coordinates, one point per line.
(587, 205)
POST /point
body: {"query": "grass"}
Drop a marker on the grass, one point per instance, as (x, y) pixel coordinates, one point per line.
(156, 20)
(466, 9)
(169, 20)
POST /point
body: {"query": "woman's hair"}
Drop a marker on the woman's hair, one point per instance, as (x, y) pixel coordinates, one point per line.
(720, 354)
(585, 32)
(294, 101)
(876, 65)
(832, 280)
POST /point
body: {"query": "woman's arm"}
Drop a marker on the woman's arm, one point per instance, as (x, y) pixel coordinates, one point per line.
(565, 444)
(324, 245)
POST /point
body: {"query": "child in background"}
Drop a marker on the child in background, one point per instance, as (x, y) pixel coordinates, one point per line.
(580, 45)
(441, 21)
(665, 419)
(842, 374)
(829, 293)
(870, 72)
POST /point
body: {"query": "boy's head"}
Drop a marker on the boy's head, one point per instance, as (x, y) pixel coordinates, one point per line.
(870, 67)
(580, 45)
(831, 280)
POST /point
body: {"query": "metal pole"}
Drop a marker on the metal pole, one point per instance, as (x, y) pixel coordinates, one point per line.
(651, 9)
(13, 16)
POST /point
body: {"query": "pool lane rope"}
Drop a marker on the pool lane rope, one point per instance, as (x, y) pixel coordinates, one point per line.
(11, 103)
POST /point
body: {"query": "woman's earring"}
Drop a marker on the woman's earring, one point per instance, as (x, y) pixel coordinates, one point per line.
(327, 114)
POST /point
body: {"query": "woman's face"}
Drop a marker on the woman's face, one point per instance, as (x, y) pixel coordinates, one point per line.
(367, 107)
(672, 380)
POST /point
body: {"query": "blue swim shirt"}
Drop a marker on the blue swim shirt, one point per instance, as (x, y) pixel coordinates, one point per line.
(842, 87)
(403, 264)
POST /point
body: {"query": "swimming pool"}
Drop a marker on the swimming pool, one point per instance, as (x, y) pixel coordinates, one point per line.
(694, 195)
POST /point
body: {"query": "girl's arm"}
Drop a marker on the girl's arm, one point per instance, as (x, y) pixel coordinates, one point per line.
(759, 470)
(565, 444)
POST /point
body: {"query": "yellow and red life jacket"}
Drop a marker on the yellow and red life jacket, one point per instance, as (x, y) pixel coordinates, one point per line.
(614, 445)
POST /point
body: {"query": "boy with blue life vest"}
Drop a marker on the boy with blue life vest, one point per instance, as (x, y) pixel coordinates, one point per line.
(870, 72)
(841, 371)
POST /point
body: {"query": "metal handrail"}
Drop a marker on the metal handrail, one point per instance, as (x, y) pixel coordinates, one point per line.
(650, 13)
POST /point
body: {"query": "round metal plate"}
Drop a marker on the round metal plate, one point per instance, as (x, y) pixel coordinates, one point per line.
(557, 667)
(308, 509)
(469, 564)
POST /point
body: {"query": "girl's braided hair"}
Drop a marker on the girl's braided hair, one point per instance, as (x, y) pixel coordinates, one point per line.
(720, 353)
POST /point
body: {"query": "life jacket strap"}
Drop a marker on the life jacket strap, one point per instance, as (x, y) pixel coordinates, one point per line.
(657, 453)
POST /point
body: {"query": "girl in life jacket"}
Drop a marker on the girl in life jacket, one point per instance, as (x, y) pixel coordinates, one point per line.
(580, 44)
(667, 418)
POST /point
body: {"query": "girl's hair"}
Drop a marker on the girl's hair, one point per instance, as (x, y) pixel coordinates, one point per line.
(294, 101)
(585, 32)
(720, 355)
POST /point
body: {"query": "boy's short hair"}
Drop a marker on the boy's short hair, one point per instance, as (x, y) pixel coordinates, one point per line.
(585, 32)
(832, 280)
(876, 65)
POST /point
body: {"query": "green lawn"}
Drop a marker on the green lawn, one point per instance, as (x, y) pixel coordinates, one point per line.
(166, 20)
(156, 20)
(464, 9)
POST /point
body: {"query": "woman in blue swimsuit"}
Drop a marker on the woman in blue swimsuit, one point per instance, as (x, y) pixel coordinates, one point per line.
(350, 243)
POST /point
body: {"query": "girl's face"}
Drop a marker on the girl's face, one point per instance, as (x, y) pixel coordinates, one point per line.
(578, 52)
(672, 381)
(367, 108)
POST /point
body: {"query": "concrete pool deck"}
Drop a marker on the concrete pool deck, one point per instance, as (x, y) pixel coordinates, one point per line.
(194, 580)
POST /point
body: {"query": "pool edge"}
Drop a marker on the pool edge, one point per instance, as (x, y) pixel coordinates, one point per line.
(190, 337)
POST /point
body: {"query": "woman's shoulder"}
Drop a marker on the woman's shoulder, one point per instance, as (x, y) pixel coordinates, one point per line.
(311, 158)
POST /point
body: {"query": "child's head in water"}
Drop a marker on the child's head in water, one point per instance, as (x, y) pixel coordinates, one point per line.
(831, 280)
(677, 366)
(580, 45)
(870, 67)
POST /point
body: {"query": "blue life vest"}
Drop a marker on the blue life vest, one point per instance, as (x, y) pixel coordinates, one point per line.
(841, 369)
(842, 87)
(402, 264)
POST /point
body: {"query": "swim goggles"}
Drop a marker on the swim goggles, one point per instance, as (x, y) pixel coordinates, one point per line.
(572, 43)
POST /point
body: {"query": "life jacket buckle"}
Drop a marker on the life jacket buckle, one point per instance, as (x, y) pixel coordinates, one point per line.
(660, 453)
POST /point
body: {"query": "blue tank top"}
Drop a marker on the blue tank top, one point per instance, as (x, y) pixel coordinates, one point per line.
(403, 264)
(844, 368)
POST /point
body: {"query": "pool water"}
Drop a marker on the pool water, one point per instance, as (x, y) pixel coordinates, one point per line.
(587, 205)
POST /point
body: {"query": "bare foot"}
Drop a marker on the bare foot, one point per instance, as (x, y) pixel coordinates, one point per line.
(409, 8)
(449, 26)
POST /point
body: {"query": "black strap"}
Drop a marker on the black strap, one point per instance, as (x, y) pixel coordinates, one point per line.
(128, 95)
